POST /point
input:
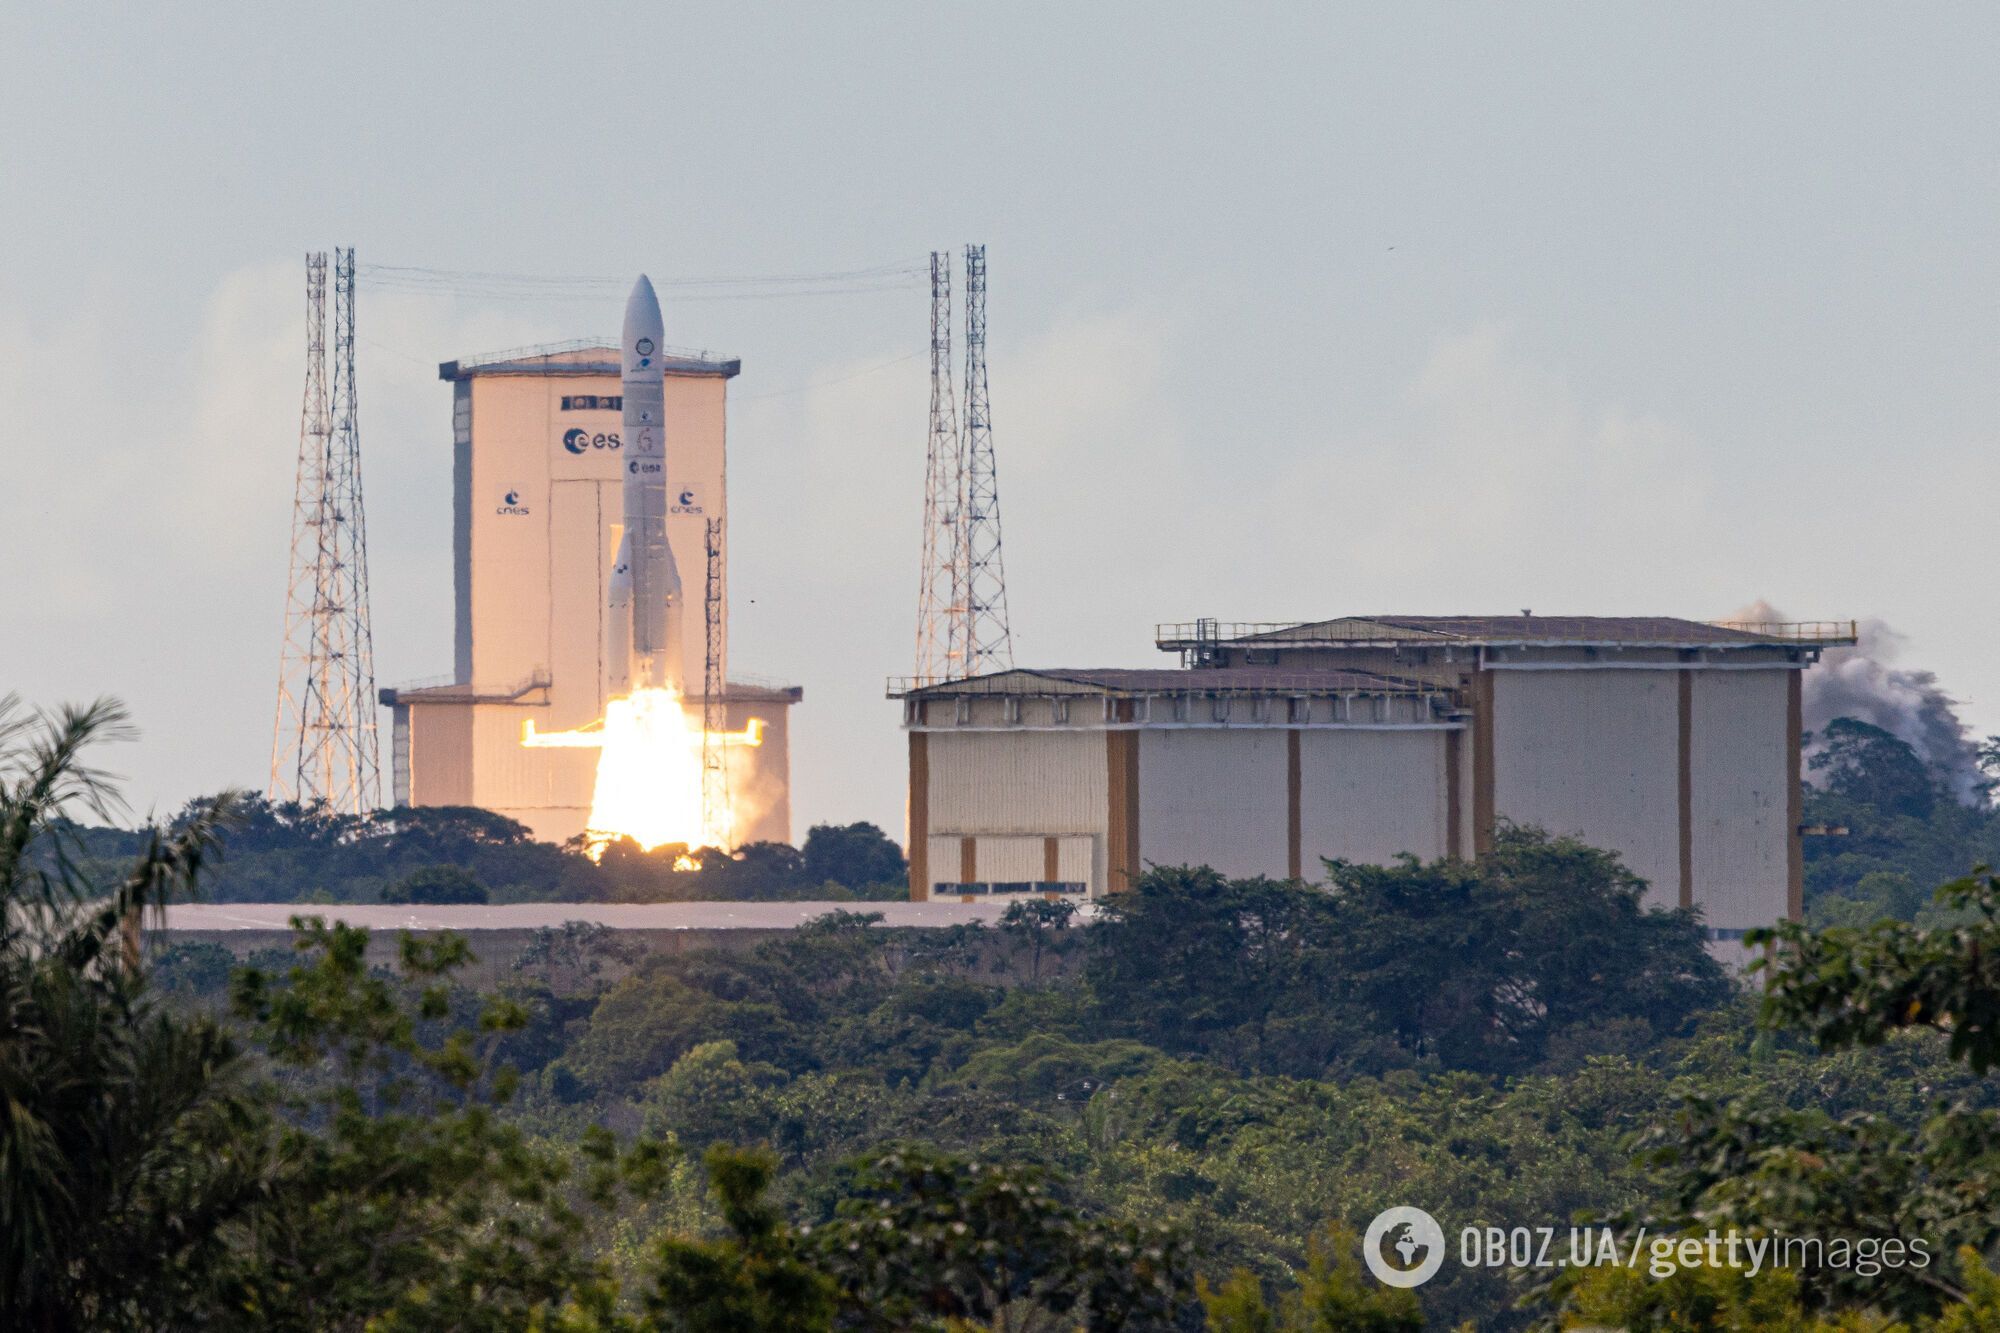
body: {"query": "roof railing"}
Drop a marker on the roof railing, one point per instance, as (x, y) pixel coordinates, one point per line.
(1796, 631)
(1206, 634)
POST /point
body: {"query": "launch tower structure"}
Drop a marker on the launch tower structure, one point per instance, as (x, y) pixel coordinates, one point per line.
(962, 625)
(941, 596)
(323, 744)
(989, 646)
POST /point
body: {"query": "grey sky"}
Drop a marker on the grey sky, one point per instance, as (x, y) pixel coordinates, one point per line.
(1295, 311)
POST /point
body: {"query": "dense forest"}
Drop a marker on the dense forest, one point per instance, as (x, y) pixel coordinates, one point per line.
(1177, 1115)
(1906, 830)
(460, 854)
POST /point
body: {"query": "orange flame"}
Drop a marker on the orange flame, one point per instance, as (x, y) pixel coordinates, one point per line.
(649, 773)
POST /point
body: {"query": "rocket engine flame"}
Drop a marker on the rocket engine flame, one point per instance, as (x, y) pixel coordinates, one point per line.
(649, 773)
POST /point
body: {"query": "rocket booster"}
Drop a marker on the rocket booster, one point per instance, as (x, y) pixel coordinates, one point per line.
(643, 629)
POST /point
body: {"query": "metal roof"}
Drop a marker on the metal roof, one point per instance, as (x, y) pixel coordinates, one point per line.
(1625, 631)
(582, 359)
(1198, 680)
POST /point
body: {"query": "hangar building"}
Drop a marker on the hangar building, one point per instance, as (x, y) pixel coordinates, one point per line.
(1673, 742)
(536, 518)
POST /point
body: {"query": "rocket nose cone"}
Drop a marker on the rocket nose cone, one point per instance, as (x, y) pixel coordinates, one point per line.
(643, 327)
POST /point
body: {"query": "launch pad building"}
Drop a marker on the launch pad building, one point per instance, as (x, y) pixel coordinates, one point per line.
(537, 475)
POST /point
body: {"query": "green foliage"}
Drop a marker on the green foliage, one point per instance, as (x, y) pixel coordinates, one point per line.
(1544, 945)
(123, 1149)
(1041, 926)
(1849, 1176)
(434, 885)
(1905, 828)
(856, 856)
(754, 1279)
(710, 1096)
(923, 1239)
(1331, 1297)
(1851, 987)
(1860, 762)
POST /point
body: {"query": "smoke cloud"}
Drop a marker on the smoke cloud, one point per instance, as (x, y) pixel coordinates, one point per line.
(1864, 682)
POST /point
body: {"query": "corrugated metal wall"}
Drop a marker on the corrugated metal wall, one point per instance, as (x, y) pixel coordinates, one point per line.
(1368, 795)
(1037, 783)
(1742, 769)
(1214, 797)
(1596, 754)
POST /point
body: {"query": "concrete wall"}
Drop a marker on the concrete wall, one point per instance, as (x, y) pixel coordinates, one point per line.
(1741, 766)
(1595, 754)
(1214, 796)
(1369, 795)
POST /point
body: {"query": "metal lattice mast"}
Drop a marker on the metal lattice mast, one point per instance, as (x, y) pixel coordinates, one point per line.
(941, 596)
(353, 728)
(989, 646)
(323, 745)
(714, 711)
(289, 781)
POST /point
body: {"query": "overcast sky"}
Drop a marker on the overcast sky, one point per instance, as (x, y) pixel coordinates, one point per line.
(1295, 312)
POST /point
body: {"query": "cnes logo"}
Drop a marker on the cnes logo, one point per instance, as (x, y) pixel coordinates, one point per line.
(510, 504)
(1403, 1247)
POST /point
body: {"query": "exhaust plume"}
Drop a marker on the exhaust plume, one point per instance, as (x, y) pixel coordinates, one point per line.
(1864, 683)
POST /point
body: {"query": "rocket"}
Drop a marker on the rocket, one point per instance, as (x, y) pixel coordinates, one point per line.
(643, 629)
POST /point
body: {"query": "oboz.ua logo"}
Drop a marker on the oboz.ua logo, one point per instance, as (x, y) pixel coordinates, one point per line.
(1403, 1247)
(510, 504)
(579, 441)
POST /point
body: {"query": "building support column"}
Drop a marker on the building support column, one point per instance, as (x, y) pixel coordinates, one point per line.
(1121, 851)
(920, 816)
(1484, 808)
(1294, 820)
(1454, 808)
(1686, 787)
(1795, 808)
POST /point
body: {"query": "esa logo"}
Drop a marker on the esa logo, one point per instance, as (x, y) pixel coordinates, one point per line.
(510, 504)
(638, 469)
(580, 441)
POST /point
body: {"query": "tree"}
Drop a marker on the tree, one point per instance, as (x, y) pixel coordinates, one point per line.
(757, 1278)
(925, 1240)
(1191, 960)
(1850, 1175)
(1862, 762)
(1483, 965)
(1544, 946)
(1331, 1297)
(856, 856)
(121, 1153)
(434, 885)
(1039, 925)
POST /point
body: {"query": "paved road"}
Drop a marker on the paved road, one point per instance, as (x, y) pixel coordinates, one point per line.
(533, 916)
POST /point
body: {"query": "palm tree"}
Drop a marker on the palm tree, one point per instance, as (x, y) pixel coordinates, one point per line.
(121, 1152)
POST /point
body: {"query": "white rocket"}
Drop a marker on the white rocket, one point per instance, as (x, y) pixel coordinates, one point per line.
(643, 631)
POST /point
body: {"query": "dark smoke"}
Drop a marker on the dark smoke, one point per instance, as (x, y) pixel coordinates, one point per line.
(1864, 683)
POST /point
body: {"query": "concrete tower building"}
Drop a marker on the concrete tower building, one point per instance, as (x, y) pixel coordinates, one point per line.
(536, 519)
